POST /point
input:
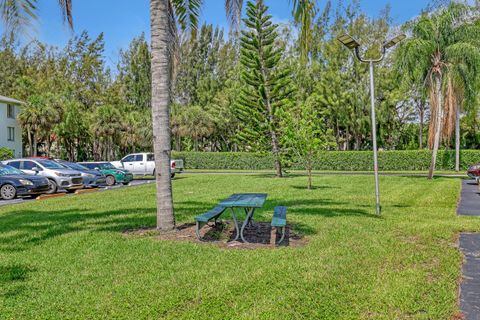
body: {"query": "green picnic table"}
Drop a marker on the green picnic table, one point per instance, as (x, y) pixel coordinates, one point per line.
(246, 201)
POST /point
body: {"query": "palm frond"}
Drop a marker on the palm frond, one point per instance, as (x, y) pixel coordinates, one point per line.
(450, 111)
(234, 12)
(66, 7)
(414, 59)
(17, 14)
(304, 12)
(187, 13)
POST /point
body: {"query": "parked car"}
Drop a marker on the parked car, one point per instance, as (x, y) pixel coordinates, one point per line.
(59, 177)
(91, 178)
(142, 164)
(474, 172)
(113, 175)
(15, 183)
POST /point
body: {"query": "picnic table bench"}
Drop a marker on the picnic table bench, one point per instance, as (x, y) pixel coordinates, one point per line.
(248, 202)
(215, 213)
(279, 220)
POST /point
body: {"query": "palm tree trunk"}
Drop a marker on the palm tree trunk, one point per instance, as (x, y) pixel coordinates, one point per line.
(30, 143)
(438, 124)
(49, 145)
(422, 119)
(35, 145)
(457, 140)
(162, 39)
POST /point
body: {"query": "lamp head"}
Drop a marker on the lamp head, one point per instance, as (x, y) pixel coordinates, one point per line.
(394, 41)
(348, 41)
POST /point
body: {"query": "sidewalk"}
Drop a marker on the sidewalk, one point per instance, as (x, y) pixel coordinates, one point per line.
(470, 286)
(469, 204)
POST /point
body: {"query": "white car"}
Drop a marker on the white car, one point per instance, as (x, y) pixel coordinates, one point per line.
(140, 164)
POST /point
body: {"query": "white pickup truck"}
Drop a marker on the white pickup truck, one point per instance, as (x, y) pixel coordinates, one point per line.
(141, 164)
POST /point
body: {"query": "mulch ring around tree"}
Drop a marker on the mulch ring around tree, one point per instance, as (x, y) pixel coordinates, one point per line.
(259, 235)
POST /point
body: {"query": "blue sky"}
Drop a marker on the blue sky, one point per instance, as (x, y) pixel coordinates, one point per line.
(121, 20)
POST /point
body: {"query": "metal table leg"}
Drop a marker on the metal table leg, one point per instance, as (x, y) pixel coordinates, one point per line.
(247, 219)
(250, 221)
(235, 221)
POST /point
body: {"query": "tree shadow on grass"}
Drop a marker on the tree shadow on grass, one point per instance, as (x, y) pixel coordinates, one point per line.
(12, 278)
(314, 187)
(21, 229)
(274, 176)
(12, 273)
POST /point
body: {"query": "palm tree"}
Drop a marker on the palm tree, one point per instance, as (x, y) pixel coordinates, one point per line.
(106, 125)
(442, 54)
(38, 117)
(164, 16)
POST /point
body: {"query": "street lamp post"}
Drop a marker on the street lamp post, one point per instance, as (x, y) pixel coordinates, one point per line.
(353, 44)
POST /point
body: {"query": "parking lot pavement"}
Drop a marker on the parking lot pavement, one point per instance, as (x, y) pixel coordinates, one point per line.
(469, 199)
(134, 183)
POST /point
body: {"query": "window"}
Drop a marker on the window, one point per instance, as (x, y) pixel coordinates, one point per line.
(150, 157)
(11, 133)
(10, 111)
(138, 158)
(15, 164)
(49, 164)
(129, 158)
(28, 165)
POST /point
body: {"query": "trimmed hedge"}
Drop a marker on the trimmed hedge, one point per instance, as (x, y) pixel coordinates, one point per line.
(225, 160)
(410, 160)
(5, 153)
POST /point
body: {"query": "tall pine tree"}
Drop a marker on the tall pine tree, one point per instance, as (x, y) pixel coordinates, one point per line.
(266, 85)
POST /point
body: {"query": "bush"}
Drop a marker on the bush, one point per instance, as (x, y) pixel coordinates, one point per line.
(411, 160)
(225, 160)
(5, 153)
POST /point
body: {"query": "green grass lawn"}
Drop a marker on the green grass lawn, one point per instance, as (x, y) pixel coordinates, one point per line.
(67, 258)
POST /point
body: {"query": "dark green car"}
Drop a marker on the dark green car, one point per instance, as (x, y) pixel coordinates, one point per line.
(112, 174)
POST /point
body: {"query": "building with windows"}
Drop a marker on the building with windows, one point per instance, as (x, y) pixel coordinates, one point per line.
(10, 130)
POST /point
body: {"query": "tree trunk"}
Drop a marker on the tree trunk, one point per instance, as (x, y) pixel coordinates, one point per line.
(178, 143)
(358, 141)
(30, 143)
(276, 152)
(457, 140)
(337, 134)
(438, 125)
(49, 145)
(422, 119)
(309, 172)
(347, 139)
(162, 40)
(35, 145)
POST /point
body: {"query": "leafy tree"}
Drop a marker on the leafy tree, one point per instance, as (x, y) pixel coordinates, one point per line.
(6, 153)
(306, 134)
(72, 131)
(267, 87)
(134, 73)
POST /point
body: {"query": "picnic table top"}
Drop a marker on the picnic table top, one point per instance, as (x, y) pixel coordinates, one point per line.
(245, 200)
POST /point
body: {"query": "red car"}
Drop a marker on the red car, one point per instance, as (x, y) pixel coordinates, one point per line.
(474, 171)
